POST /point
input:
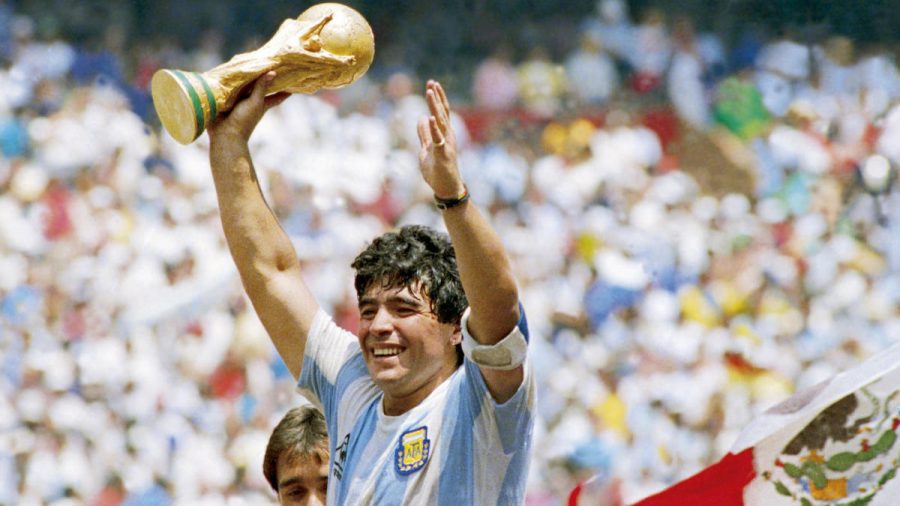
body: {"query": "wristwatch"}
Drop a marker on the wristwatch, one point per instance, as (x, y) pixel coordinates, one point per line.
(444, 204)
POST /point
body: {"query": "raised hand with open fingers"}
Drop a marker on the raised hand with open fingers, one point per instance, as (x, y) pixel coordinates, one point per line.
(437, 155)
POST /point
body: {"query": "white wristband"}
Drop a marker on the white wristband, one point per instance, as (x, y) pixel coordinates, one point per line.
(506, 354)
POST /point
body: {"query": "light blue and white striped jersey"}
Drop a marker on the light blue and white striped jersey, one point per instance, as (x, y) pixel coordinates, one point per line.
(458, 447)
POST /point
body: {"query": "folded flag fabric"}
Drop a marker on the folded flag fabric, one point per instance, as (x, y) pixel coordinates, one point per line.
(834, 445)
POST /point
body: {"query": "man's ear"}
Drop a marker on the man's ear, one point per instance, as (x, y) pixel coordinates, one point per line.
(456, 337)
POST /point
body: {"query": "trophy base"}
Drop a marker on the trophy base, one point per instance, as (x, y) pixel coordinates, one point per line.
(184, 102)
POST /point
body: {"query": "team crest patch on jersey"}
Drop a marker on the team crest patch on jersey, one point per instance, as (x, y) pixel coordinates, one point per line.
(412, 451)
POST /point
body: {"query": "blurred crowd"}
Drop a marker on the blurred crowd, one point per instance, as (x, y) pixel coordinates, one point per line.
(698, 231)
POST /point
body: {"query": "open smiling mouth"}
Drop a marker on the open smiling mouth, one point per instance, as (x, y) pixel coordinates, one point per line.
(386, 352)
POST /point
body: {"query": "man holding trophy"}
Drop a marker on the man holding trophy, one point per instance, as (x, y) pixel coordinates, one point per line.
(432, 401)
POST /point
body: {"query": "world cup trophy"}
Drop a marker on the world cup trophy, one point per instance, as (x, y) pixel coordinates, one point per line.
(329, 45)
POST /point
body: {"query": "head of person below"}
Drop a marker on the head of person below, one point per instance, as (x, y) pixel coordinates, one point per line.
(413, 419)
(296, 459)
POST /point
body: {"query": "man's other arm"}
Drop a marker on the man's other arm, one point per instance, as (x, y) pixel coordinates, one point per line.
(484, 267)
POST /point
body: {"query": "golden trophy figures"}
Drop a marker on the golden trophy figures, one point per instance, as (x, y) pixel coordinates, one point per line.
(330, 45)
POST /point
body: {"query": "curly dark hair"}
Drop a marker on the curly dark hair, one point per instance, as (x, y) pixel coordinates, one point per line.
(414, 255)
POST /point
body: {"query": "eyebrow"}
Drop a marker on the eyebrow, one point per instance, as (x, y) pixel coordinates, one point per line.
(297, 479)
(404, 299)
(288, 482)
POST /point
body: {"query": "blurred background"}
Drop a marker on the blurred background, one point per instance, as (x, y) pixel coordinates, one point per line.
(700, 201)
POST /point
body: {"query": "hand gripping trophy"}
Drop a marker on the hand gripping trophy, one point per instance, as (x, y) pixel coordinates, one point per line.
(328, 46)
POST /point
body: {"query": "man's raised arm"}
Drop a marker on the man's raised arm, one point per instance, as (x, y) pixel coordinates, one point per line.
(262, 251)
(484, 268)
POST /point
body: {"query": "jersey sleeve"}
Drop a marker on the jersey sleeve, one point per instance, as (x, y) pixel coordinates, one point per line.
(513, 419)
(328, 349)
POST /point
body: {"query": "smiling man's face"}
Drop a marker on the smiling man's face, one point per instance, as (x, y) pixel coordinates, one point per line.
(407, 350)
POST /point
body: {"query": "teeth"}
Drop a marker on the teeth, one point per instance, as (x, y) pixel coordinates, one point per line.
(386, 352)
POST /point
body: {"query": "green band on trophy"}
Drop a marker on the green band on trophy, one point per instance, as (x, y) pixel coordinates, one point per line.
(195, 99)
(210, 99)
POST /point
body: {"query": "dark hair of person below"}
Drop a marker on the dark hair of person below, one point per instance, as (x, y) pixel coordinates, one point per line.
(300, 434)
(416, 257)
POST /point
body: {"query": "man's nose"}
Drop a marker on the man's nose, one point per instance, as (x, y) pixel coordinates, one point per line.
(382, 322)
(316, 499)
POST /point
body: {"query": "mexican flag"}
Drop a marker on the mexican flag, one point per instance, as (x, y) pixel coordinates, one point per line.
(834, 445)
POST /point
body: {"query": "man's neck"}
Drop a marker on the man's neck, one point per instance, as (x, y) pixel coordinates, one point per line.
(397, 405)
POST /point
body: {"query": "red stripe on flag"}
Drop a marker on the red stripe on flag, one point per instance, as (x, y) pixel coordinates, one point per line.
(575, 494)
(721, 484)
